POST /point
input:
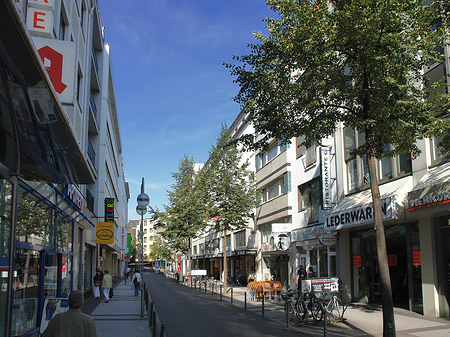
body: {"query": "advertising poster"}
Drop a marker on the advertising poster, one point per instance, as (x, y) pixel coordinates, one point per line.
(52, 307)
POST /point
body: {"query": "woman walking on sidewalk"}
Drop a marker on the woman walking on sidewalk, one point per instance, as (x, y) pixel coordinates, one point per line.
(97, 282)
(137, 282)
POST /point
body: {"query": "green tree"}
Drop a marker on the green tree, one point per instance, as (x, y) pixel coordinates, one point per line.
(185, 215)
(356, 62)
(160, 250)
(229, 189)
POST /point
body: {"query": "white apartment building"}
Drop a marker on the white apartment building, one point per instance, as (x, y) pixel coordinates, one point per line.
(57, 94)
(316, 210)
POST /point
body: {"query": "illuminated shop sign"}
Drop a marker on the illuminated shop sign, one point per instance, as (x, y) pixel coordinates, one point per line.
(358, 215)
(109, 209)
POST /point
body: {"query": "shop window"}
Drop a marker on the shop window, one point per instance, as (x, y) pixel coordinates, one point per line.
(5, 235)
(26, 291)
(35, 220)
(66, 272)
(64, 231)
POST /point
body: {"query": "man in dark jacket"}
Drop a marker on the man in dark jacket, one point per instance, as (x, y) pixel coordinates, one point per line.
(73, 323)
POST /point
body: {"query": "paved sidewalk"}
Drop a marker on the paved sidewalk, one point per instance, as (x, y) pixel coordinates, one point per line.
(121, 316)
(359, 320)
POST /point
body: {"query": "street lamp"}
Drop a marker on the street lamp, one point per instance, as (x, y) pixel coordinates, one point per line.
(142, 200)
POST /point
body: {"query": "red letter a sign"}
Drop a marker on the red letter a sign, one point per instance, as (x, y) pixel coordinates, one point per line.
(55, 69)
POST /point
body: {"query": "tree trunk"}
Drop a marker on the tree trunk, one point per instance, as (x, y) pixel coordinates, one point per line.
(225, 265)
(386, 291)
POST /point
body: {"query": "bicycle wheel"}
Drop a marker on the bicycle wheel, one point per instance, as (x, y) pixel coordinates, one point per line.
(335, 308)
(316, 310)
(289, 310)
(301, 310)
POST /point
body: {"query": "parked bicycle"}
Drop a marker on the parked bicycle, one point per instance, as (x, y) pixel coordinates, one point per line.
(293, 309)
(334, 307)
(313, 307)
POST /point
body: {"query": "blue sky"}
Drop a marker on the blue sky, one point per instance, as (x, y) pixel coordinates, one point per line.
(172, 91)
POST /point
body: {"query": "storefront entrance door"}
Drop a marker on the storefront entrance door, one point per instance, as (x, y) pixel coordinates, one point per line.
(402, 245)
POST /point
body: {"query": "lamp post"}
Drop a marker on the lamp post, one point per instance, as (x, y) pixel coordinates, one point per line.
(141, 208)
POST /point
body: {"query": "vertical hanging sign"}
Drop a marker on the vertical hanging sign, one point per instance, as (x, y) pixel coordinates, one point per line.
(109, 209)
(326, 180)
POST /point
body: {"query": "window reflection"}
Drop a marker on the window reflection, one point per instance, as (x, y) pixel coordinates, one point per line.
(64, 234)
(35, 220)
(5, 234)
(51, 275)
(26, 291)
(66, 272)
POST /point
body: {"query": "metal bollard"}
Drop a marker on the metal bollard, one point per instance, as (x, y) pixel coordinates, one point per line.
(221, 292)
(150, 313)
(163, 327)
(206, 284)
(231, 295)
(245, 300)
(154, 323)
(325, 327)
(212, 288)
(263, 305)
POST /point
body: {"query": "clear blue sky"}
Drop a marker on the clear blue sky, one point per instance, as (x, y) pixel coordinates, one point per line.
(172, 91)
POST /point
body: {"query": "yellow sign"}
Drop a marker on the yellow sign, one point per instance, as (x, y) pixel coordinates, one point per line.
(104, 232)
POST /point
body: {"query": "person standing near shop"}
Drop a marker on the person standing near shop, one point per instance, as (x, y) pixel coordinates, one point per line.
(137, 282)
(301, 275)
(72, 323)
(98, 278)
(106, 285)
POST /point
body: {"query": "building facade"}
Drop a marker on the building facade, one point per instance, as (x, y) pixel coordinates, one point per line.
(316, 211)
(62, 159)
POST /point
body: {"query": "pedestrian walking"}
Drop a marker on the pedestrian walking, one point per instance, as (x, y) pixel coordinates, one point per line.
(125, 274)
(137, 282)
(72, 323)
(98, 278)
(106, 285)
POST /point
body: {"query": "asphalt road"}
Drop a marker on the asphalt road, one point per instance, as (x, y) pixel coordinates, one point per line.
(187, 312)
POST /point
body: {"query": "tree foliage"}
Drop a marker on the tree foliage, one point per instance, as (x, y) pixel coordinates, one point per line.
(357, 62)
(185, 216)
(228, 185)
(159, 249)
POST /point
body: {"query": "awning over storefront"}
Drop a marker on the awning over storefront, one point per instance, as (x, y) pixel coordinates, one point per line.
(37, 129)
(356, 209)
(432, 190)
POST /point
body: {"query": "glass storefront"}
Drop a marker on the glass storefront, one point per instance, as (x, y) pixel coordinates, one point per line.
(6, 196)
(43, 262)
(403, 249)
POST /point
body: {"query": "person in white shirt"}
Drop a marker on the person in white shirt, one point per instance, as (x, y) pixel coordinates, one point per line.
(137, 282)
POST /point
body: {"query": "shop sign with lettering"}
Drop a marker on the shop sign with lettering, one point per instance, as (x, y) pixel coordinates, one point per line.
(109, 209)
(58, 58)
(428, 200)
(325, 156)
(104, 233)
(308, 233)
(358, 215)
(74, 195)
